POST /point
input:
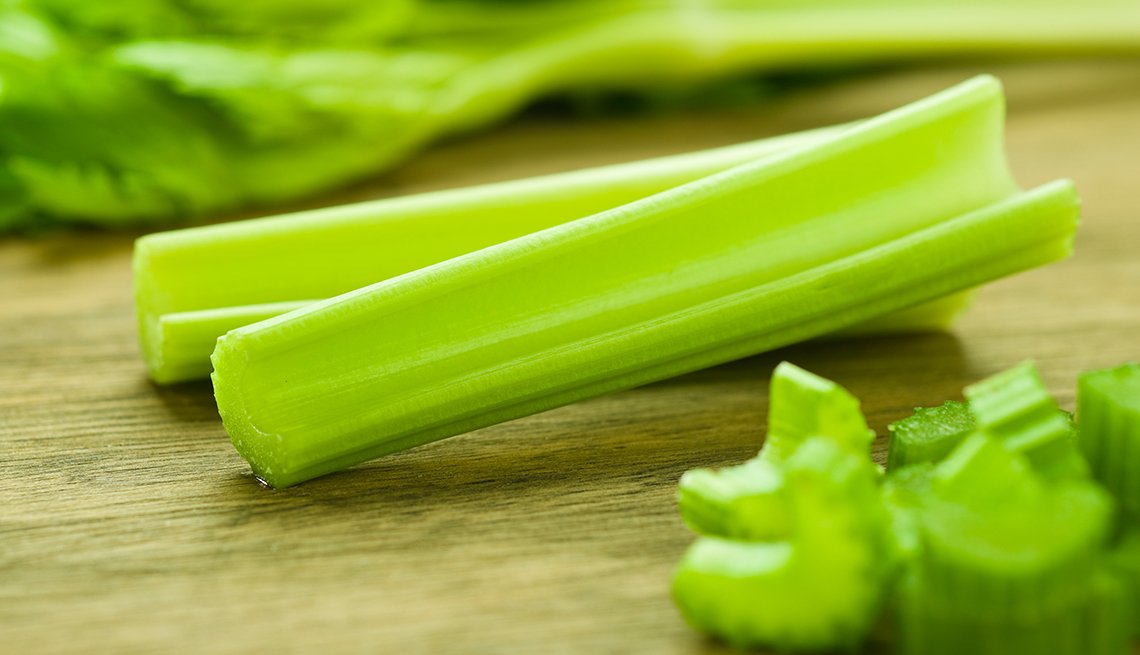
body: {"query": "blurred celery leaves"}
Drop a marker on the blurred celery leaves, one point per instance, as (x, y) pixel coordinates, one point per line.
(142, 112)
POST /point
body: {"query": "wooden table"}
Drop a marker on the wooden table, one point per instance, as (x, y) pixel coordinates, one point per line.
(129, 524)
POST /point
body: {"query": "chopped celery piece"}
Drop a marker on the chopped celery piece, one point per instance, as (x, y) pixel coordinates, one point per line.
(1095, 624)
(904, 491)
(746, 501)
(1108, 406)
(1126, 563)
(737, 502)
(820, 588)
(929, 434)
(211, 279)
(1014, 407)
(981, 472)
(803, 405)
(1009, 564)
(919, 204)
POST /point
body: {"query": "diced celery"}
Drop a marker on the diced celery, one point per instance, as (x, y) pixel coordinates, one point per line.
(820, 587)
(747, 501)
(1009, 565)
(1108, 406)
(802, 405)
(738, 502)
(1015, 407)
(929, 434)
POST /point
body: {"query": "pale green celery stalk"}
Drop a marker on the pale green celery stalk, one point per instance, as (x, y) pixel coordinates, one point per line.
(698, 41)
(242, 272)
(921, 318)
(194, 285)
(1108, 406)
(901, 209)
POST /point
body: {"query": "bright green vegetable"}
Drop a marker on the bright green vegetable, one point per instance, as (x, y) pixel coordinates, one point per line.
(745, 502)
(1126, 561)
(748, 501)
(929, 434)
(919, 204)
(1108, 405)
(1009, 564)
(803, 405)
(818, 588)
(194, 285)
(136, 112)
(1015, 407)
(999, 551)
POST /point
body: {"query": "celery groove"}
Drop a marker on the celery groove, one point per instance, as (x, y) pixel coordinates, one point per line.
(901, 209)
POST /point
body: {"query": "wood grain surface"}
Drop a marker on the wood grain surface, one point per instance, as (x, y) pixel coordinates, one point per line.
(128, 524)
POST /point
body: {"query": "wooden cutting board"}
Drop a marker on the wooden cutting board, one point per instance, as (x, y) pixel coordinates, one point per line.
(128, 523)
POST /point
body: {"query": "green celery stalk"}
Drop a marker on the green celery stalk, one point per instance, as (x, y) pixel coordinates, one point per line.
(178, 344)
(1108, 406)
(194, 285)
(929, 434)
(901, 209)
(225, 107)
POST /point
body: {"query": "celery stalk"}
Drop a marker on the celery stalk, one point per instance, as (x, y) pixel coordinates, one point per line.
(901, 209)
(178, 344)
(194, 285)
(251, 269)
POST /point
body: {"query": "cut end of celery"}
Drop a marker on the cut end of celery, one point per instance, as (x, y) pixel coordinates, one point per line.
(805, 405)
(929, 434)
(1015, 407)
(261, 450)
